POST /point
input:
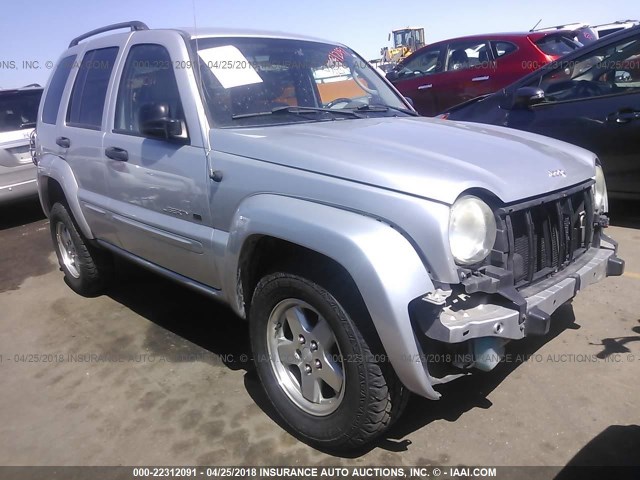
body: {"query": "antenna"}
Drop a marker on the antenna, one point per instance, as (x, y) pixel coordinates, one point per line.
(205, 142)
(534, 27)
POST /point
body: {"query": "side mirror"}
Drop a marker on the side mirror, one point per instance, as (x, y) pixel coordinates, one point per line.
(525, 97)
(622, 76)
(409, 101)
(154, 121)
(392, 76)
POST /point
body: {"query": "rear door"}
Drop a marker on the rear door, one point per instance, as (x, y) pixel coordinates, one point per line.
(594, 102)
(420, 76)
(80, 127)
(469, 71)
(159, 187)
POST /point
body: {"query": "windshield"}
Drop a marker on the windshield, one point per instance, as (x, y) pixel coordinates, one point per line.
(267, 81)
(18, 110)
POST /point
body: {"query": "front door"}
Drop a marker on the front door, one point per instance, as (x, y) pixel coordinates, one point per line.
(159, 187)
(419, 79)
(595, 103)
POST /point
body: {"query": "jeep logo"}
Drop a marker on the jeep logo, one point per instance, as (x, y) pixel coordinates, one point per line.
(557, 173)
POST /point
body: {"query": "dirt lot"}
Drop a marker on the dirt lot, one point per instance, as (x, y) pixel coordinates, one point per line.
(185, 393)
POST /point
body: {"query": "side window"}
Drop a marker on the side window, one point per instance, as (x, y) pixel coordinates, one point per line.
(463, 55)
(90, 88)
(424, 63)
(56, 88)
(502, 49)
(147, 79)
(608, 71)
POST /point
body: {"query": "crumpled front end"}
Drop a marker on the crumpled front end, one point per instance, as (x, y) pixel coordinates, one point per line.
(546, 251)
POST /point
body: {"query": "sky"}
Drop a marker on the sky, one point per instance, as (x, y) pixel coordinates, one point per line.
(34, 33)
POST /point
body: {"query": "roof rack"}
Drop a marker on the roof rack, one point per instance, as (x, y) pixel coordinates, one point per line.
(134, 25)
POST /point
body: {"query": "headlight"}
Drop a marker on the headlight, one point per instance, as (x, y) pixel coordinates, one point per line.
(472, 230)
(600, 191)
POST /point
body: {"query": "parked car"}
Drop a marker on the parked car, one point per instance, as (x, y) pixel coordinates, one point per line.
(18, 112)
(590, 98)
(447, 73)
(354, 236)
(598, 31)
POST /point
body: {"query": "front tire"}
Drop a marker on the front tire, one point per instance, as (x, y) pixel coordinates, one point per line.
(316, 367)
(85, 268)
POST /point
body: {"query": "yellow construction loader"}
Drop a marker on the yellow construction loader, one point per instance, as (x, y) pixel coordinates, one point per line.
(405, 41)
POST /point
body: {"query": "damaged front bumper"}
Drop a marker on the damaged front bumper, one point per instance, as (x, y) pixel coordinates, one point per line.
(465, 317)
(488, 320)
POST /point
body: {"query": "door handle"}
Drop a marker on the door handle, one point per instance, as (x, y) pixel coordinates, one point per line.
(480, 79)
(115, 153)
(63, 142)
(424, 87)
(624, 116)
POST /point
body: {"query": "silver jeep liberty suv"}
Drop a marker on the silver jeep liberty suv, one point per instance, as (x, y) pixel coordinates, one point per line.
(283, 176)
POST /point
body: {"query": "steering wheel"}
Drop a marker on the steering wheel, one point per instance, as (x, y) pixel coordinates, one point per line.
(337, 101)
(586, 88)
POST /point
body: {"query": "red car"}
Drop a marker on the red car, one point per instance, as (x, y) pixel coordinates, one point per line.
(450, 72)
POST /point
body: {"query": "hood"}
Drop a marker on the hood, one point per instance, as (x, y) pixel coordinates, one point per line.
(434, 159)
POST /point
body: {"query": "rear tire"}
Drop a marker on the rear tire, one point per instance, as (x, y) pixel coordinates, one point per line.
(86, 268)
(316, 367)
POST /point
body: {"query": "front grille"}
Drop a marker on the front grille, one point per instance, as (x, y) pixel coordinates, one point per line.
(536, 239)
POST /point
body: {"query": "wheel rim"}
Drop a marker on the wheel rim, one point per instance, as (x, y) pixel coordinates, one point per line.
(305, 357)
(67, 250)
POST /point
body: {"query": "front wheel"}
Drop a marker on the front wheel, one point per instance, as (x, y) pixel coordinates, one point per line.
(85, 267)
(317, 369)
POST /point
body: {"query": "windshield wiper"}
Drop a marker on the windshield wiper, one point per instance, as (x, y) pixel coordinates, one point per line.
(298, 110)
(385, 108)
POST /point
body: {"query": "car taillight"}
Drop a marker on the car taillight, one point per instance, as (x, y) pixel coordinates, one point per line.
(443, 116)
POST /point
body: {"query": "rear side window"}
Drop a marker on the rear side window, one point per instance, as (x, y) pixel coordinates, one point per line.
(90, 88)
(463, 55)
(18, 110)
(56, 88)
(556, 45)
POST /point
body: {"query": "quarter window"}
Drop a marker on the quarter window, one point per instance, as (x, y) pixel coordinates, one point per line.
(148, 78)
(90, 88)
(56, 88)
(501, 49)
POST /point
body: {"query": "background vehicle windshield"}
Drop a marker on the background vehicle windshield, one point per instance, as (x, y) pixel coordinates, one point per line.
(244, 77)
(18, 110)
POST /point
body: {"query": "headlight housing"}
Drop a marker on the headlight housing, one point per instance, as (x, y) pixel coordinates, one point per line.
(472, 230)
(600, 192)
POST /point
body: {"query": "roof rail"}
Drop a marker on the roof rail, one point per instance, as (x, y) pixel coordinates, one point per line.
(134, 25)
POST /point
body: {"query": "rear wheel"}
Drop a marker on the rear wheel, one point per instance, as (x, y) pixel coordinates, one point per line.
(85, 268)
(317, 369)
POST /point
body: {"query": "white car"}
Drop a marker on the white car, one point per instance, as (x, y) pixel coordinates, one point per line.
(585, 33)
(18, 113)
